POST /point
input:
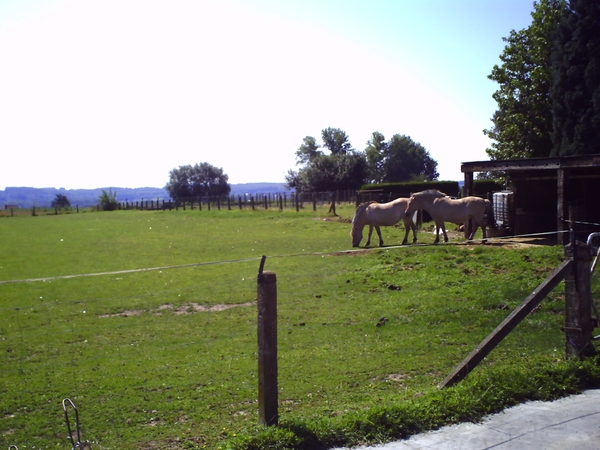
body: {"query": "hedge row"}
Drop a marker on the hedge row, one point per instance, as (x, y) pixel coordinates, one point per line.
(452, 188)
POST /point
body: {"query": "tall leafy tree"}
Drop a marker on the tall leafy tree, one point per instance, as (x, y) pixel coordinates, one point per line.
(400, 159)
(522, 125)
(376, 151)
(336, 141)
(341, 168)
(576, 87)
(199, 180)
(60, 201)
(308, 150)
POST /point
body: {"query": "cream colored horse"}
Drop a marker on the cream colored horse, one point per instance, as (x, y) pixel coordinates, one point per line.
(442, 209)
(381, 215)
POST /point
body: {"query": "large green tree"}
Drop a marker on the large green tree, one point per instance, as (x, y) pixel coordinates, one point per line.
(199, 180)
(400, 159)
(522, 125)
(576, 83)
(341, 168)
(60, 201)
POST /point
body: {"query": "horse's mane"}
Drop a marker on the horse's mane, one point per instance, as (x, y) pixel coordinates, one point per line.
(360, 210)
(431, 193)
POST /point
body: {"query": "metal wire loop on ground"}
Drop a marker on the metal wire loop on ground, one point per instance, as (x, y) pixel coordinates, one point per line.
(75, 445)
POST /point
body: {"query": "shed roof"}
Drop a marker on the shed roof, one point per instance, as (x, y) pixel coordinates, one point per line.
(515, 165)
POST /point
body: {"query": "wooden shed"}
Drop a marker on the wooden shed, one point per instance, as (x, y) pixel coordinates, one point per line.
(548, 192)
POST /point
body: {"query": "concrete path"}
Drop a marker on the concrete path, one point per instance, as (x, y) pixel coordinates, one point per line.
(568, 423)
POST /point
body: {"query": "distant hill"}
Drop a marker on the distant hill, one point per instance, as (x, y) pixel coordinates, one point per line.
(27, 197)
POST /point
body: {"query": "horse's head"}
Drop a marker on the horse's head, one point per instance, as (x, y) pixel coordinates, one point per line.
(357, 235)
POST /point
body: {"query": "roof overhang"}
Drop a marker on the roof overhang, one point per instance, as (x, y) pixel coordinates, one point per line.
(515, 165)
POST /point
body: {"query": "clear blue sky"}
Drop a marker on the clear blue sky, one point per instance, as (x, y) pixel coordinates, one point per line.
(99, 93)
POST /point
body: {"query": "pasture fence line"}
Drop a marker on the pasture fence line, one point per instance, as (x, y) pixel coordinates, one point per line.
(256, 258)
(278, 200)
(286, 200)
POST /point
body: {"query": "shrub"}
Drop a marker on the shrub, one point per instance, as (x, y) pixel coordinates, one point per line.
(108, 200)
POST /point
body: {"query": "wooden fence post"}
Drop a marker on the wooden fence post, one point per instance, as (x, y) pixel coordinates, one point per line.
(267, 348)
(508, 324)
(578, 302)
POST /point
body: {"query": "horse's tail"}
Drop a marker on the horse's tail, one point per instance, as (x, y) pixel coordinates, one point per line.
(489, 210)
(416, 219)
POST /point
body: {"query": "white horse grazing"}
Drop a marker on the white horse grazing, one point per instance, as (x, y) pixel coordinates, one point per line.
(381, 214)
(442, 209)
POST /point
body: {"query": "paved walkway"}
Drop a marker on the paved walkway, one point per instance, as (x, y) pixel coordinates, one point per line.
(570, 423)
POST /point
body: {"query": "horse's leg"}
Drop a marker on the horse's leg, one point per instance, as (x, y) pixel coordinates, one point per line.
(474, 230)
(379, 234)
(369, 238)
(407, 228)
(483, 230)
(437, 233)
(413, 227)
(444, 231)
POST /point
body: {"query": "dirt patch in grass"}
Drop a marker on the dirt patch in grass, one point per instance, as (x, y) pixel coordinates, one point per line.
(188, 308)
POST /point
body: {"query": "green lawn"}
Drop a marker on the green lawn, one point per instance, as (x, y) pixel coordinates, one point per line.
(167, 358)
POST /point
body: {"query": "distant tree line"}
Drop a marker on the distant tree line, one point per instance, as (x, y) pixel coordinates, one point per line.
(549, 94)
(331, 166)
(335, 164)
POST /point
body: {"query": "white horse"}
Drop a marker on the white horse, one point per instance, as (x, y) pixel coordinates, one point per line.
(442, 209)
(381, 214)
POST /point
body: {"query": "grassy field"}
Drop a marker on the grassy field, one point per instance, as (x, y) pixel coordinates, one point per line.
(166, 358)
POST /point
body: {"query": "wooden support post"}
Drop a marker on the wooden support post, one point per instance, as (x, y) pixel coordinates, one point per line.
(468, 187)
(267, 348)
(578, 303)
(502, 330)
(561, 225)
